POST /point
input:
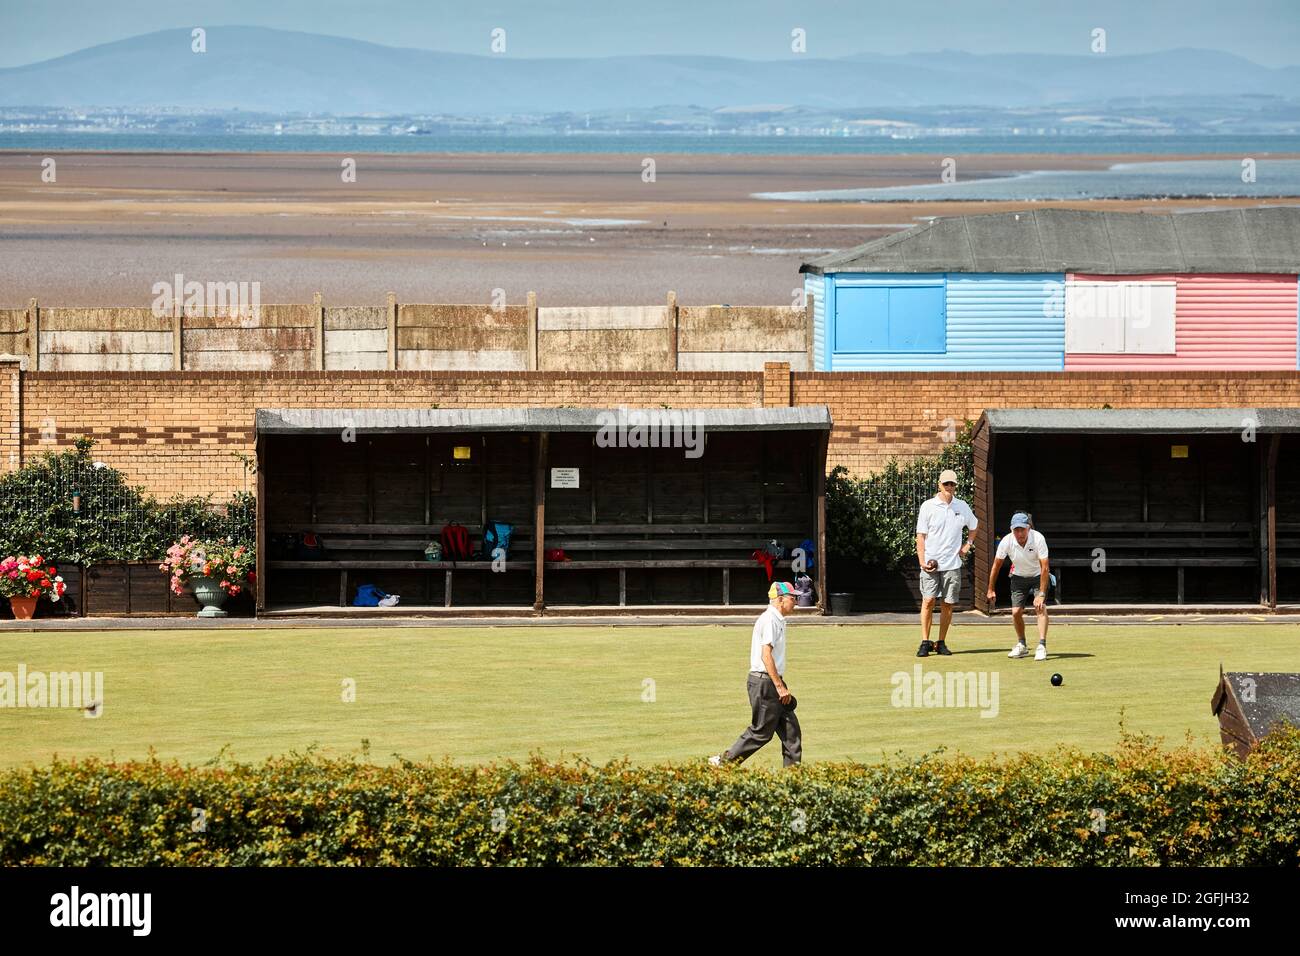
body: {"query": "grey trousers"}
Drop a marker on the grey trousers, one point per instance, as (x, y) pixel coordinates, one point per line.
(769, 716)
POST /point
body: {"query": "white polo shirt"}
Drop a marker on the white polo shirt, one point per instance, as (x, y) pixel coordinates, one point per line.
(768, 629)
(943, 524)
(1024, 561)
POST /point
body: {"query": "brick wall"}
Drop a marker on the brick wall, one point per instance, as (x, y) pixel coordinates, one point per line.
(175, 433)
(879, 414)
(10, 413)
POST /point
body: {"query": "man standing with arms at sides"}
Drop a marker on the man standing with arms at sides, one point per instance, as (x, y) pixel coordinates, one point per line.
(770, 701)
(940, 552)
(1030, 578)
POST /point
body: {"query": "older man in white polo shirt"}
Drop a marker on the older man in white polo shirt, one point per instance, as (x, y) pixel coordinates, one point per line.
(940, 552)
(770, 701)
(1030, 579)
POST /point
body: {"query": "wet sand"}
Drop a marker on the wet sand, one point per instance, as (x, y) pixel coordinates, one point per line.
(577, 229)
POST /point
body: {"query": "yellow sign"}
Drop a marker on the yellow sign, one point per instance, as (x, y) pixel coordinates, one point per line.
(1177, 451)
(460, 452)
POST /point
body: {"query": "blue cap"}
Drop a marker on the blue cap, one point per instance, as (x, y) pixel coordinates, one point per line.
(1019, 520)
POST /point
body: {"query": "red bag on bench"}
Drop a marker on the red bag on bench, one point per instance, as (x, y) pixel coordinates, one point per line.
(455, 542)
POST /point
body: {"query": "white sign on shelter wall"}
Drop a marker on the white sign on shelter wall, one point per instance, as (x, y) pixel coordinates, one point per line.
(1119, 317)
(564, 477)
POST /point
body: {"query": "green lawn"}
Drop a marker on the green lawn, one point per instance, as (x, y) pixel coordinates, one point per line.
(482, 693)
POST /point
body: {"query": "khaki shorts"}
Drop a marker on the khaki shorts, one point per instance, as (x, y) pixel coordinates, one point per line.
(945, 584)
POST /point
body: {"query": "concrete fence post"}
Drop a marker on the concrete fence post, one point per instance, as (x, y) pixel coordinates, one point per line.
(319, 314)
(33, 335)
(810, 320)
(392, 330)
(178, 331)
(673, 363)
(532, 361)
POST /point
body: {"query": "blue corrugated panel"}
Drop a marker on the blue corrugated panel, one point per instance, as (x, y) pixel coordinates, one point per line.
(816, 287)
(991, 323)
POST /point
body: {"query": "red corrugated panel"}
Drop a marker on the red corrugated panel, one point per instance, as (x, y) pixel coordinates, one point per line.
(1228, 321)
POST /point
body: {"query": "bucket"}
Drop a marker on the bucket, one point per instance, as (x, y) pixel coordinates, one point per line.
(841, 603)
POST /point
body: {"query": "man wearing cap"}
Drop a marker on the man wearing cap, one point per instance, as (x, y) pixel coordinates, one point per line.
(770, 702)
(1030, 577)
(940, 552)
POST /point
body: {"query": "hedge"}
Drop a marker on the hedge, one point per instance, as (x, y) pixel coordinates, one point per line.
(117, 521)
(873, 519)
(1182, 807)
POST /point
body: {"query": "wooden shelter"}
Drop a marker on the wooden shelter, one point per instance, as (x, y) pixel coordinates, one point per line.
(1250, 705)
(651, 507)
(1147, 506)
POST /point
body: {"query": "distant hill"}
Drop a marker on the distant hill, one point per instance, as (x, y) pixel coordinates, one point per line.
(259, 69)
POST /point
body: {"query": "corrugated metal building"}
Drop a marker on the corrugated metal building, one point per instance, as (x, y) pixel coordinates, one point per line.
(1061, 289)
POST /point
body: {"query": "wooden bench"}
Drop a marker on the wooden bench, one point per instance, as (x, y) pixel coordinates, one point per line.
(650, 546)
(1151, 544)
(1288, 544)
(406, 543)
(590, 547)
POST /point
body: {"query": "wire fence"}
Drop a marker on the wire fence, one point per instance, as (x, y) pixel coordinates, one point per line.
(68, 507)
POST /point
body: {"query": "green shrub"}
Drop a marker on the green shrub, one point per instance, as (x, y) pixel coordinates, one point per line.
(1180, 807)
(117, 522)
(873, 519)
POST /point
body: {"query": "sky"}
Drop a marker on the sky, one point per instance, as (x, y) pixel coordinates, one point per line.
(1265, 31)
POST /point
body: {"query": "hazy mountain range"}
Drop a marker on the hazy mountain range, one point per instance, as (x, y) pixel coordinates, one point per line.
(259, 69)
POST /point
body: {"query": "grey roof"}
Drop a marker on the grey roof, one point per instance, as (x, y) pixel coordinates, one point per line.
(1258, 239)
(292, 421)
(1075, 421)
(1266, 699)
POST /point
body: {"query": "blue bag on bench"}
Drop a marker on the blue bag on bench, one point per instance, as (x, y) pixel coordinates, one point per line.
(496, 534)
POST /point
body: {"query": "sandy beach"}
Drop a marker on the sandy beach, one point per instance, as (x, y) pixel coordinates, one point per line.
(576, 229)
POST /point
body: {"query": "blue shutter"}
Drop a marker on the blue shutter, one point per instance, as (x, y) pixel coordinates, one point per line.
(916, 319)
(862, 319)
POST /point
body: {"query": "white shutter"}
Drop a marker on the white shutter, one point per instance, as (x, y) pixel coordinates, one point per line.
(1149, 318)
(1115, 317)
(1092, 324)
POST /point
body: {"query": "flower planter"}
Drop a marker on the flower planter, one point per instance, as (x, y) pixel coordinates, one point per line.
(210, 595)
(23, 607)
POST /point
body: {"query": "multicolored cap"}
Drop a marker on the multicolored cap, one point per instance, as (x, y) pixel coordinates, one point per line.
(779, 588)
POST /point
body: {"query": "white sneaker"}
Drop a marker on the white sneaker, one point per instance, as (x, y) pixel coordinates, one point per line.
(1041, 653)
(1019, 651)
(715, 760)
